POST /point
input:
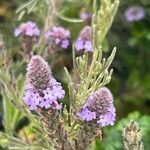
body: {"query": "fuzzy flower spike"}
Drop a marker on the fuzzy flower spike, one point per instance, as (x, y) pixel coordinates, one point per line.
(42, 90)
(84, 41)
(99, 108)
(59, 35)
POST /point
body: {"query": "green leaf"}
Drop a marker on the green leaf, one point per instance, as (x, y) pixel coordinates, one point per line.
(11, 115)
(72, 20)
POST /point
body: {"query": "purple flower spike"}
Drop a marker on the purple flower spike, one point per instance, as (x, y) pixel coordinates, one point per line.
(42, 90)
(99, 108)
(27, 29)
(84, 41)
(134, 13)
(59, 35)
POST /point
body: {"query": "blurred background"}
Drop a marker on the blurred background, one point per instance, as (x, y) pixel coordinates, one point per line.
(130, 83)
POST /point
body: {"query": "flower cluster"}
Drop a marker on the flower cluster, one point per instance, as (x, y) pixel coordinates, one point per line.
(27, 29)
(99, 108)
(42, 90)
(134, 13)
(84, 41)
(59, 35)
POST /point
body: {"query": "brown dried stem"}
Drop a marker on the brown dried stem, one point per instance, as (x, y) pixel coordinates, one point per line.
(54, 128)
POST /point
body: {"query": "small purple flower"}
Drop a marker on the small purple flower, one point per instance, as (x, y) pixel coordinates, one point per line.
(86, 114)
(86, 16)
(59, 35)
(99, 108)
(84, 41)
(42, 90)
(27, 29)
(134, 13)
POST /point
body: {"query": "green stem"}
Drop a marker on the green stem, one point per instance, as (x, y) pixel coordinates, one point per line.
(90, 75)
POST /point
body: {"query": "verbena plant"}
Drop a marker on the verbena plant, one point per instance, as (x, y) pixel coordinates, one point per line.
(54, 125)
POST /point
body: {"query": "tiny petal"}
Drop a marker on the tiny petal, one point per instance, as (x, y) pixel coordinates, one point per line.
(84, 41)
(45, 104)
(65, 44)
(79, 45)
(107, 119)
(87, 115)
(32, 107)
(57, 41)
(86, 16)
(88, 46)
(17, 32)
(56, 105)
(58, 92)
(59, 35)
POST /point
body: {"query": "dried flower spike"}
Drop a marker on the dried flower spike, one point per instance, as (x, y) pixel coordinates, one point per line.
(27, 29)
(59, 35)
(132, 137)
(134, 13)
(84, 41)
(99, 108)
(42, 90)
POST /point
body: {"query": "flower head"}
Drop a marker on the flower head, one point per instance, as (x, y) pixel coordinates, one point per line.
(59, 35)
(134, 13)
(99, 108)
(86, 16)
(42, 90)
(27, 29)
(84, 41)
